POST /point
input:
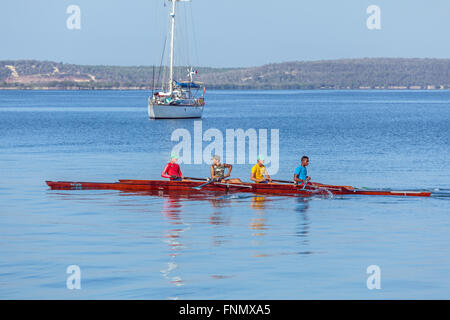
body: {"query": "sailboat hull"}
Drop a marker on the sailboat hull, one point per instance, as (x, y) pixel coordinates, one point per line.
(162, 111)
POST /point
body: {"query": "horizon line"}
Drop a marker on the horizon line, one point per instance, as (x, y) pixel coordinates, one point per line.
(223, 67)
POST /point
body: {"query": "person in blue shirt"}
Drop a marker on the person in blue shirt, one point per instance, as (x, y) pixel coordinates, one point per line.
(301, 174)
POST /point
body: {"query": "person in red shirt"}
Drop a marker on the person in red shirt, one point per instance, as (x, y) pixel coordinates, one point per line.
(172, 170)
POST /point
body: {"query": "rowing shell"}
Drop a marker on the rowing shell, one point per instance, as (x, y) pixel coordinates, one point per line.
(263, 188)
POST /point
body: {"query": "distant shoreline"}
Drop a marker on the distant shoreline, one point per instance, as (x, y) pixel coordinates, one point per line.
(342, 74)
(214, 89)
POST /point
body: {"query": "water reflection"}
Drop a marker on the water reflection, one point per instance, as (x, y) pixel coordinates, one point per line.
(171, 209)
(295, 227)
(260, 227)
(217, 219)
(302, 204)
(258, 222)
(303, 222)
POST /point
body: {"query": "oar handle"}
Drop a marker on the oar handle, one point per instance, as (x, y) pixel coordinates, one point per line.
(283, 181)
(198, 179)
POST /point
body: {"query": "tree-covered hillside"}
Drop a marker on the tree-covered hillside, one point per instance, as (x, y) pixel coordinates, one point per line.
(373, 73)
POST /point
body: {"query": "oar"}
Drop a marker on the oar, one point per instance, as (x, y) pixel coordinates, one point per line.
(288, 181)
(283, 181)
(304, 184)
(233, 185)
(198, 179)
(203, 185)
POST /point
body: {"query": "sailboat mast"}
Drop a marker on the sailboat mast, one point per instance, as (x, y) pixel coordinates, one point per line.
(172, 36)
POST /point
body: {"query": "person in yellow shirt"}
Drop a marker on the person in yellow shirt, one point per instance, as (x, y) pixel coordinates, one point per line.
(259, 172)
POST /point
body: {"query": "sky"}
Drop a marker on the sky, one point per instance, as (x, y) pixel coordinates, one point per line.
(226, 33)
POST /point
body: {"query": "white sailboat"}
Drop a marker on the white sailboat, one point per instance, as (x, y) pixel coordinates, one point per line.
(180, 99)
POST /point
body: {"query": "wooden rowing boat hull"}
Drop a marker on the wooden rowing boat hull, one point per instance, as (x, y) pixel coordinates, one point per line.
(263, 188)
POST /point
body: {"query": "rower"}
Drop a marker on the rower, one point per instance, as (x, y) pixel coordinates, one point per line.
(259, 172)
(301, 174)
(172, 170)
(218, 169)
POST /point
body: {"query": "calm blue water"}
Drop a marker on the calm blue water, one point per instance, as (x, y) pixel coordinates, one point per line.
(134, 246)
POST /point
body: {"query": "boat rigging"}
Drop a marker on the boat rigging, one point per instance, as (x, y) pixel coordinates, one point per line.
(181, 99)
